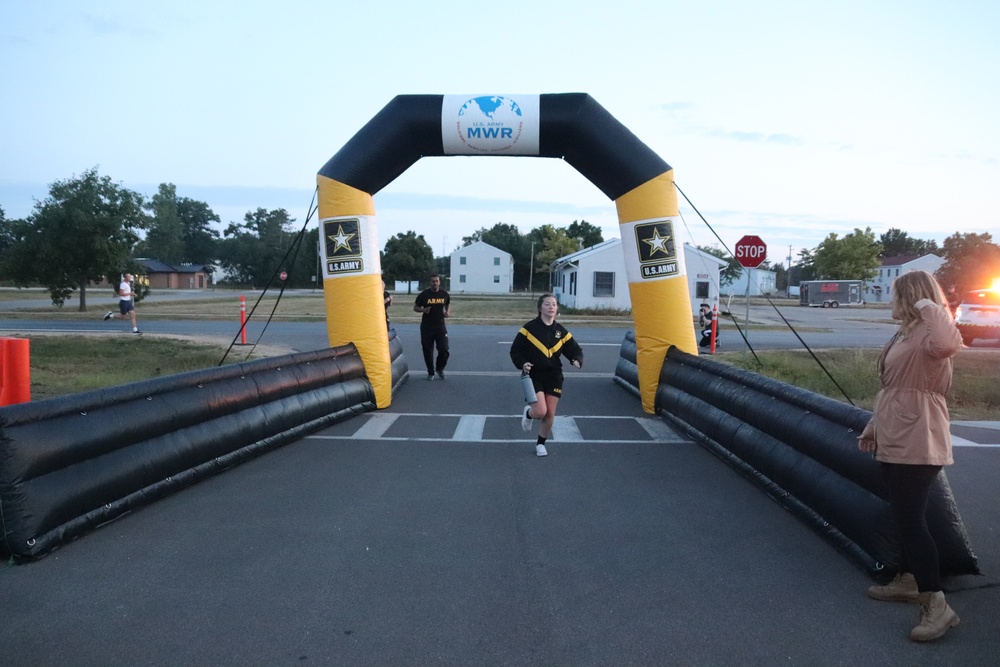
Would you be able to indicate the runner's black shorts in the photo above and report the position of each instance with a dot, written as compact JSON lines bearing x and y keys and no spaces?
{"x":548,"y":381}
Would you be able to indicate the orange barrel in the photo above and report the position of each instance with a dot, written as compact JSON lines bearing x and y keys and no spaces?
{"x":15,"y":374}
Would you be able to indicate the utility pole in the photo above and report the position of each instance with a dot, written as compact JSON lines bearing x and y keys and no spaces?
{"x":531,"y":270}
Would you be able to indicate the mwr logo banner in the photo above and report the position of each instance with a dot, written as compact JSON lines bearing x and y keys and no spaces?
{"x":349,"y":246}
{"x":651,"y":250}
{"x":490,"y":124}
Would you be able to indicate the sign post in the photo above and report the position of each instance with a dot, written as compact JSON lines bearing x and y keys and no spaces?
{"x":751,"y":252}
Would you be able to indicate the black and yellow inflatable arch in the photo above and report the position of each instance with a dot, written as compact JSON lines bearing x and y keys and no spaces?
{"x":569,"y":126}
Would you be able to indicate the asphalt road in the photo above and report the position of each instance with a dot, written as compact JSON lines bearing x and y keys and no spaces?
{"x":429,"y":534}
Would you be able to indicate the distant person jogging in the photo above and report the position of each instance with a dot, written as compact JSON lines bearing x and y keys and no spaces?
{"x":435,"y":306}
{"x":126,"y":304}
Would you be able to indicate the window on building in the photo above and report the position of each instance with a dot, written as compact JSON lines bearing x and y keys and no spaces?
{"x":461,"y":278}
{"x":496,"y":279}
{"x":496,"y":261}
{"x":701,"y":290}
{"x":572,"y":283}
{"x":604,"y":283}
{"x":461,"y":260}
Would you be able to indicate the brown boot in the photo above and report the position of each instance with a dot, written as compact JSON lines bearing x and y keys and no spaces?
{"x":901,"y":589}
{"x":935,"y":617}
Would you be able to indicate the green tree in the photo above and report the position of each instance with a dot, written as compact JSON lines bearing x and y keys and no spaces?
{"x":804,"y":270}
{"x":165,"y":239}
{"x":5,"y":235}
{"x":733,"y":268}
{"x":252,"y":252}
{"x":589,"y":235}
{"x":200,"y":240}
{"x":8,"y":237}
{"x":972,"y":261}
{"x":407,"y":257}
{"x":854,"y":257}
{"x":303,"y":263}
{"x":897,"y":243}
{"x":780,"y":277}
{"x":551,"y":244}
{"x":180,"y":231}
{"x":86,"y":227}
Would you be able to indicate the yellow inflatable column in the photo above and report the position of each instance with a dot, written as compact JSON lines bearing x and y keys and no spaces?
{"x":352,"y":280}
{"x":657,"y":279}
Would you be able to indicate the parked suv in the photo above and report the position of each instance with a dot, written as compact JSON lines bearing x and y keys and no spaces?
{"x":978,"y":316}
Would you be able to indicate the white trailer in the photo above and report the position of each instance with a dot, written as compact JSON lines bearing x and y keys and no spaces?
{"x":831,"y":293}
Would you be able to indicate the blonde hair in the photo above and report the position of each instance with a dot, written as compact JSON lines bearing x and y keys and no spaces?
{"x":911,"y":287}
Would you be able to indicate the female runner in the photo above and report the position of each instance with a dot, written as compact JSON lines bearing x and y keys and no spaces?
{"x":535,"y":351}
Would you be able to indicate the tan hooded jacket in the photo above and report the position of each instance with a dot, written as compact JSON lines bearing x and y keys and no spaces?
{"x":910,"y":423}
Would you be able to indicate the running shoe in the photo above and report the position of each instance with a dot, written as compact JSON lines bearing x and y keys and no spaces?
{"x":109,"y":315}
{"x":526,"y":422}
{"x":441,"y":374}
{"x":540,"y":450}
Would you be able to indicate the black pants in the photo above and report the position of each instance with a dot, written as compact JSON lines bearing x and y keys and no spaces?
{"x":909,"y":487}
{"x":429,"y":338}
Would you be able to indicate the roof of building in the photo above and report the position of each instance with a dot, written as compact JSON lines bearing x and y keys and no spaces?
{"x":156,"y":266}
{"x":610,"y":243}
{"x":599,"y":247}
{"x":901,"y":260}
{"x":474,"y":243}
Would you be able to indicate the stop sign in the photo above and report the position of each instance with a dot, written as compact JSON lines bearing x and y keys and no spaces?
{"x":750,"y":251}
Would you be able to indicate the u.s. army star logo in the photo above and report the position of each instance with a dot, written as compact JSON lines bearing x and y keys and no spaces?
{"x":657,"y":249}
{"x":342,"y":240}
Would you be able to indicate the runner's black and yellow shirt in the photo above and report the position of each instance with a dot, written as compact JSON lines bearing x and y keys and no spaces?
{"x":438,"y":301}
{"x":541,"y":344}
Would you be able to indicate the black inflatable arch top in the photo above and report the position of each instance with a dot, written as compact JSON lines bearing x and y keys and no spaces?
{"x":574,"y":127}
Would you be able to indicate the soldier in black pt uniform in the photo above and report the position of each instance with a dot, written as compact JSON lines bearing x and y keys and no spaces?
{"x":435,"y":304}
{"x":536,"y":350}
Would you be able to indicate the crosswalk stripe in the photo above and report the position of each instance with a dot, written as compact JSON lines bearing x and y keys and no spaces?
{"x":376,"y":426}
{"x":470,"y":427}
{"x":564,"y":429}
{"x":659,"y":431}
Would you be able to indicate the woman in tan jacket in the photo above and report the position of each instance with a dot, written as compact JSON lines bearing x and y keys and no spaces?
{"x":909,"y":435}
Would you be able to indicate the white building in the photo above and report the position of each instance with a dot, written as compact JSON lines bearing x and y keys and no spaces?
{"x":761,"y":282}
{"x":595,"y":277}
{"x":479,"y":267}
{"x":880,"y":288}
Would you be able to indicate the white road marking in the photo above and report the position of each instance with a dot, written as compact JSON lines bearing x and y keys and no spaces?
{"x":376,"y":426}
{"x":470,"y":428}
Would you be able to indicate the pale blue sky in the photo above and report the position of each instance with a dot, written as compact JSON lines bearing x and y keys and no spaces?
{"x":784,"y":119}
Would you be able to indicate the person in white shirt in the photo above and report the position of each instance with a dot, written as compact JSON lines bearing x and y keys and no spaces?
{"x":126,"y":304}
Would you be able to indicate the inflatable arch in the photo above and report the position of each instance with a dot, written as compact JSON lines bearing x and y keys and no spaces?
{"x":569,"y":126}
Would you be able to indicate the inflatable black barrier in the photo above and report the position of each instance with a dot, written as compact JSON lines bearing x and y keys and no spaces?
{"x":801,"y":449}
{"x":71,"y":463}
{"x":627,"y":370}
{"x":398,"y":361}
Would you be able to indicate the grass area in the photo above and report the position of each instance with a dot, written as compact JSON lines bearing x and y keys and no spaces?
{"x":508,"y":309}
{"x":974,"y":395}
{"x":73,"y":364}
{"x":13,"y":294}
{"x":62,"y":365}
